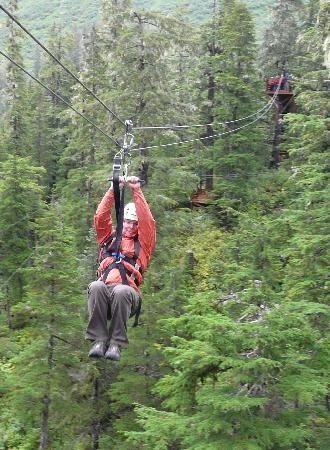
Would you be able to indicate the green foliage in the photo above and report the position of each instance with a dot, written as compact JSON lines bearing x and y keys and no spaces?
{"x":233,"y":347}
{"x":39,"y":367}
{"x":21,"y":203}
{"x":230,"y":69}
{"x":246,"y":358}
{"x":279,"y":40}
{"x":84,"y":13}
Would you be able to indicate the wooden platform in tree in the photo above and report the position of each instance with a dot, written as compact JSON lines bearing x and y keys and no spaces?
{"x":201,"y":197}
{"x":280,"y":92}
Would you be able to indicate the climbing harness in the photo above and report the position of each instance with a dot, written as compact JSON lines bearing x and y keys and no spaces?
{"x":108,"y":250}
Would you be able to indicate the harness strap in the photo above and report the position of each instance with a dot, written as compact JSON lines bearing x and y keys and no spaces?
{"x":107,"y":250}
{"x":117,"y":161}
{"x":119,"y":201}
{"x":124,"y":272}
{"x":119,"y":258}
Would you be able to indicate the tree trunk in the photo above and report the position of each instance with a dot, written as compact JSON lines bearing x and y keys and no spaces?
{"x":96,"y":423}
{"x":44,"y":435}
{"x":8,"y":307}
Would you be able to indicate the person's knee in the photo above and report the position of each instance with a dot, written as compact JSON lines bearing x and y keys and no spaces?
{"x":123,"y":292}
{"x":96,"y":287}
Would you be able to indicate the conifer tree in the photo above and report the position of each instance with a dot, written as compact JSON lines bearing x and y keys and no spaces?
{"x":146,"y":66}
{"x":207,"y":88}
{"x":20,"y":204}
{"x":16,"y":139}
{"x":87,"y":148}
{"x":279,"y":40}
{"x":50,"y":123}
{"x":233,"y":157}
{"x":47,"y":373}
{"x":305,"y":281}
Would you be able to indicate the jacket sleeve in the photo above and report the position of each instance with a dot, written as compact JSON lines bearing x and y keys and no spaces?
{"x":146,"y":223}
{"x":102,"y":218}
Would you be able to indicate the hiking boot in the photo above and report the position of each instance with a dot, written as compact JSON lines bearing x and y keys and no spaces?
{"x":113,"y":352}
{"x":98,"y":349}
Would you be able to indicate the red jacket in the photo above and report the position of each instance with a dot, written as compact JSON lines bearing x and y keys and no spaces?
{"x":146,"y":236}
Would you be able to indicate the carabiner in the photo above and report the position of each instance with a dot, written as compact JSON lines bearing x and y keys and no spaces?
{"x":128,"y":145}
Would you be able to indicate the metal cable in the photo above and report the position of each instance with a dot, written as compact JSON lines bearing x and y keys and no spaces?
{"x":171,"y":127}
{"x":270,"y":104}
{"x":60,"y":63}
{"x":59,"y":97}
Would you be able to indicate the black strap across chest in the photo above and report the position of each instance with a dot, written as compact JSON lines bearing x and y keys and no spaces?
{"x":110,"y":249}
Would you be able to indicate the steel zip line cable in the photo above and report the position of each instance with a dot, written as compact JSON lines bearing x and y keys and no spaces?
{"x":171,"y":127}
{"x":61,"y":64}
{"x":199,"y":139}
{"x":60,"y":98}
{"x":270,"y":104}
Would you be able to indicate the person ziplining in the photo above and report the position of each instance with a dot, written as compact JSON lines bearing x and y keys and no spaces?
{"x":124,"y":255}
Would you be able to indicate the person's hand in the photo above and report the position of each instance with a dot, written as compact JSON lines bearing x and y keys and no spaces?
{"x":122,"y":182}
{"x":133,"y":182}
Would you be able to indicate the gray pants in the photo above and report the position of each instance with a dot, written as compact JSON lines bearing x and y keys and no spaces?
{"x":110,"y":303}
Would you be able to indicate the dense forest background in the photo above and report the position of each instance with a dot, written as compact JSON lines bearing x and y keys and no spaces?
{"x":233,"y":348}
{"x":79,"y":15}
